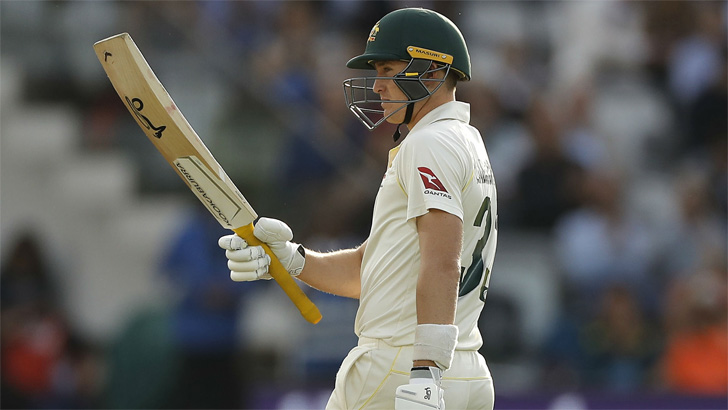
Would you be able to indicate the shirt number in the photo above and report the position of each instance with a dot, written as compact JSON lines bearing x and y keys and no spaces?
{"x":472,"y":277}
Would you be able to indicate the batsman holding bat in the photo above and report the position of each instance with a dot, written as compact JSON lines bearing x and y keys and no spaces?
{"x":422,"y":275}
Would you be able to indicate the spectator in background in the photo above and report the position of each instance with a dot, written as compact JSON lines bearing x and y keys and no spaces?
{"x":696,"y":240}
{"x":288,"y":76}
{"x":204,"y":318}
{"x":33,"y":334}
{"x":620,"y":344}
{"x":695,"y":59}
{"x":695,"y":360}
{"x":516,"y":89}
{"x":664,"y":23}
{"x":603,"y":338}
{"x":26,"y":281}
{"x":581,"y":142}
{"x":600,"y":245}
{"x":321,"y":140}
{"x":44,"y":364}
{"x":705,"y":141}
{"x":547,"y":184}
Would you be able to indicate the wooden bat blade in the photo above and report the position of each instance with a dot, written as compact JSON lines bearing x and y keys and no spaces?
{"x":164,"y":125}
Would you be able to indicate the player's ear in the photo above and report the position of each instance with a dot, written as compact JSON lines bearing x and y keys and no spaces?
{"x":433,"y":73}
{"x":433,"y":70}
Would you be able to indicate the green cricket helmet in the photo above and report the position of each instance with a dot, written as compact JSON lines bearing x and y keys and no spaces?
{"x":419,"y":37}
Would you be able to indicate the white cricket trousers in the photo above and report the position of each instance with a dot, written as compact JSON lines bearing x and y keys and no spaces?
{"x":372,"y":371}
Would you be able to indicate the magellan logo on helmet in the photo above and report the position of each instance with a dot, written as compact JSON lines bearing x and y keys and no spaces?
{"x":373,"y":33}
{"x":419,"y":52}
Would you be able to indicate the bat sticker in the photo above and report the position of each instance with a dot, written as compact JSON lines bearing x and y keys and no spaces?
{"x":211,"y":190}
{"x":137,"y":106}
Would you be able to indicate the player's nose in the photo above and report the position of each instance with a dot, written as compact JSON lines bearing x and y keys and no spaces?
{"x":378,"y":86}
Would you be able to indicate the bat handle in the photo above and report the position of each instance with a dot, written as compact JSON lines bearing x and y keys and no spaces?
{"x":307,"y":308}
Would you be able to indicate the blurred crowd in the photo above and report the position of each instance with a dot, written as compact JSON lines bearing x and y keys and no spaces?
{"x":605,"y":121}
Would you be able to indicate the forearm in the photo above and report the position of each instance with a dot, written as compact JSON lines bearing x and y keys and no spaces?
{"x":440,"y":236}
{"x":337,"y":272}
{"x":437,"y":289}
{"x":437,"y":284}
{"x":436,"y":298}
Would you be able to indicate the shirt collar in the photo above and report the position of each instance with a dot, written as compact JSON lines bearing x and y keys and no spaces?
{"x":453,"y":110}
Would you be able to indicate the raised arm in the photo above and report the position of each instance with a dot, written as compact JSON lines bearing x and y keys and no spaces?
{"x":336,"y":272}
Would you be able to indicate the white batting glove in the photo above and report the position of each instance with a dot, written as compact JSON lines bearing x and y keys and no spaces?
{"x":278,"y":236}
{"x":248,"y":263}
{"x":245,"y":262}
{"x":422,"y":392}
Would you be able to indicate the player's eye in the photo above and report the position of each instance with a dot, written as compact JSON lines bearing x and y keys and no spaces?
{"x":384,"y":71}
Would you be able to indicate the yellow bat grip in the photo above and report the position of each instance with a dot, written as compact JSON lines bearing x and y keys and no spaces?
{"x":308,"y":310}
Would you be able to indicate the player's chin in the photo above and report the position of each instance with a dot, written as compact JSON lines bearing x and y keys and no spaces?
{"x":395,"y":120}
{"x":391,"y":112}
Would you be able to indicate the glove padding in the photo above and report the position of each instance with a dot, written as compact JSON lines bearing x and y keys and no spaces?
{"x":422,"y":392}
{"x":247,"y":263}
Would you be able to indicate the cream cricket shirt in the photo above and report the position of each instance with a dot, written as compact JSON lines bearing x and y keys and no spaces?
{"x":441,"y":164}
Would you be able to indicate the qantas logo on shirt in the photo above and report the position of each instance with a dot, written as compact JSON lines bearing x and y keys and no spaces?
{"x":433,"y":185}
{"x":430,"y":179}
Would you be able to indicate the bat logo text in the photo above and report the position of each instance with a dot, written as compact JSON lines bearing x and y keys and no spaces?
{"x":136,"y":107}
{"x":201,"y":192}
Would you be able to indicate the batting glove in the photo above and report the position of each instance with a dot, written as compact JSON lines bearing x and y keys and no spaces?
{"x":247,"y":263}
{"x":422,"y":392}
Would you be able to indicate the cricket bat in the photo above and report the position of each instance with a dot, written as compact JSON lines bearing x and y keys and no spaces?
{"x":165,"y":126}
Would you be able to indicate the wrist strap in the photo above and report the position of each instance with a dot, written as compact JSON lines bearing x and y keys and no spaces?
{"x":426,"y":375}
{"x":425,"y":372}
{"x":436,"y":343}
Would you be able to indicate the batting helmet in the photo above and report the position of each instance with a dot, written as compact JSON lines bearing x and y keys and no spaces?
{"x":419,"y":37}
{"x":415,"y":33}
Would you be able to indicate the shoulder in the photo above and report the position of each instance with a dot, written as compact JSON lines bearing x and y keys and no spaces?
{"x":442,"y":134}
{"x":440,"y":140}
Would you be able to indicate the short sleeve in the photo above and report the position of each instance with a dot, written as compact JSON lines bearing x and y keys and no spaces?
{"x":432,"y":173}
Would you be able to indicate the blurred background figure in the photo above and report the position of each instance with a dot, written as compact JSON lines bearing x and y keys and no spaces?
{"x":621,"y":343}
{"x":204,"y":318}
{"x":599,"y":245}
{"x":547,"y":181}
{"x":607,"y":129}
{"x":695,"y":360}
{"x":45,"y":363}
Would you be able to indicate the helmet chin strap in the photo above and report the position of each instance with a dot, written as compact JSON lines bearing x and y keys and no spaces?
{"x":407,"y":118}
